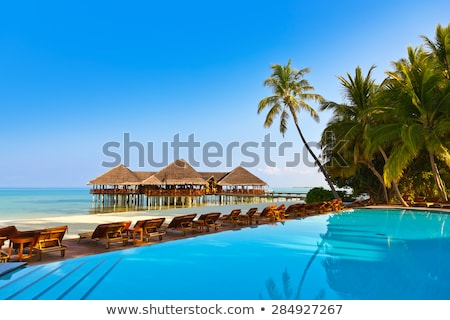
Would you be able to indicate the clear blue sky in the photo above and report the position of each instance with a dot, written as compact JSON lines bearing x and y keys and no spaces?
{"x":76,"y":75}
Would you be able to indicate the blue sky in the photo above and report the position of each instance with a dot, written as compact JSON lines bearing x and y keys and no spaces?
{"x":76,"y":76}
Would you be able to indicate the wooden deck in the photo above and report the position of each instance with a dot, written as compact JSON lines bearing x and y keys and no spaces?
{"x":86,"y":247}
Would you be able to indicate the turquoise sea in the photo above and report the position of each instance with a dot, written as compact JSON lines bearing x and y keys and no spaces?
{"x":23,"y":203}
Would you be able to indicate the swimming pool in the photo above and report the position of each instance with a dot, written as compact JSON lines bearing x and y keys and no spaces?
{"x":363,"y":254}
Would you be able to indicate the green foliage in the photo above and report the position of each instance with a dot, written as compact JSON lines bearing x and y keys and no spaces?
{"x":318,"y":194}
{"x":395,"y":133}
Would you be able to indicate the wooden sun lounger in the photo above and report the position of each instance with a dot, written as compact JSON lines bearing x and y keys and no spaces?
{"x":421,"y":201}
{"x":108,"y":232}
{"x":40,"y":241}
{"x":4,"y":256}
{"x":279,"y":213}
{"x":248,"y":216}
{"x":267,"y":214}
{"x":315,"y":208}
{"x":5,"y":234}
{"x":144,"y":229}
{"x":183,"y":223}
{"x":50,"y":240}
{"x":296,"y":210}
{"x":208,"y":221}
{"x":233,"y":217}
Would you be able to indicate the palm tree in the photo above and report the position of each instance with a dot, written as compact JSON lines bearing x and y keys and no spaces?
{"x":417,"y":100}
{"x":349,"y":124}
{"x":290,"y":92}
{"x":440,"y":48}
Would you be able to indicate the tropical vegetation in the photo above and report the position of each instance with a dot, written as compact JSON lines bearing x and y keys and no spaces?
{"x":392,"y":139}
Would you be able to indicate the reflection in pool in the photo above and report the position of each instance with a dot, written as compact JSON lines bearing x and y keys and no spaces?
{"x":363,"y":254}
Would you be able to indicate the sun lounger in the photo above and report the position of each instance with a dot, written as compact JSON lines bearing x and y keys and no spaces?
{"x":315,"y":208}
{"x":50,"y":240}
{"x":108,"y":232}
{"x":182,"y":223}
{"x":266,"y":215}
{"x":22,"y":243}
{"x":444,"y":205}
{"x":144,"y":229}
{"x":420,"y":201}
{"x":296,"y":210}
{"x":5,"y":234}
{"x":233,"y":217}
{"x":4,"y":256}
{"x":151,"y":228}
{"x":208,"y":221}
{"x":41,"y":241}
{"x":279,"y":213}
{"x":248,"y":216}
{"x":326,"y":206}
{"x":337,"y":204}
{"x":8,"y":231}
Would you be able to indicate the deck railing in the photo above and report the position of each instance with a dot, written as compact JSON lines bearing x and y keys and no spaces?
{"x":175,"y":192}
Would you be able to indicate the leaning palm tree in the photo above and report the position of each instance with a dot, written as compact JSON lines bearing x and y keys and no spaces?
{"x":290,"y":92}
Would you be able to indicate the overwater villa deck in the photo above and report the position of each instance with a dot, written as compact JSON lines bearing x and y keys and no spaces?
{"x":177,"y":184}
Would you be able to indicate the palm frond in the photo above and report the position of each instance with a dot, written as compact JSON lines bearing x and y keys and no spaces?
{"x":283,"y":121}
{"x":397,"y":162}
{"x":273,"y":112}
{"x":286,"y":284}
{"x":272,"y":290}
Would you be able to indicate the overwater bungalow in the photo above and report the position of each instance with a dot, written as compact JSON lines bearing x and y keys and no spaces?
{"x":241,"y":181}
{"x":177,"y":183}
{"x":178,"y":178}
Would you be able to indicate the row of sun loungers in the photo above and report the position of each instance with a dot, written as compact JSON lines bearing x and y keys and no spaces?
{"x":422,"y":201}
{"x":26,"y":243}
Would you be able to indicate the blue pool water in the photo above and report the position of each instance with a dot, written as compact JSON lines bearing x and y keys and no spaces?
{"x":363,"y":254}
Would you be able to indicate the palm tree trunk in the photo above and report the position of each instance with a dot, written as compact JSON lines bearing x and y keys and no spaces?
{"x":394,"y":184}
{"x":437,"y":178}
{"x":325,"y":173}
{"x":380,"y":178}
{"x":308,"y":265}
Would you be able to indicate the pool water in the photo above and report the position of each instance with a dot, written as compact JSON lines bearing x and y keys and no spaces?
{"x":362,"y":254}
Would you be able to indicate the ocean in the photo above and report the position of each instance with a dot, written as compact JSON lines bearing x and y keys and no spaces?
{"x":26,"y":203}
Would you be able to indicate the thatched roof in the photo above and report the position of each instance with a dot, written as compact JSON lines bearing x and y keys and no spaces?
{"x":178,"y":172}
{"x":241,"y":177}
{"x":142,"y":175}
{"x":216,"y":175}
{"x":119,"y":175}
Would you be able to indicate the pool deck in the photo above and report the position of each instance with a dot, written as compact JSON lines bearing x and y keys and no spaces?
{"x":86,"y":247}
